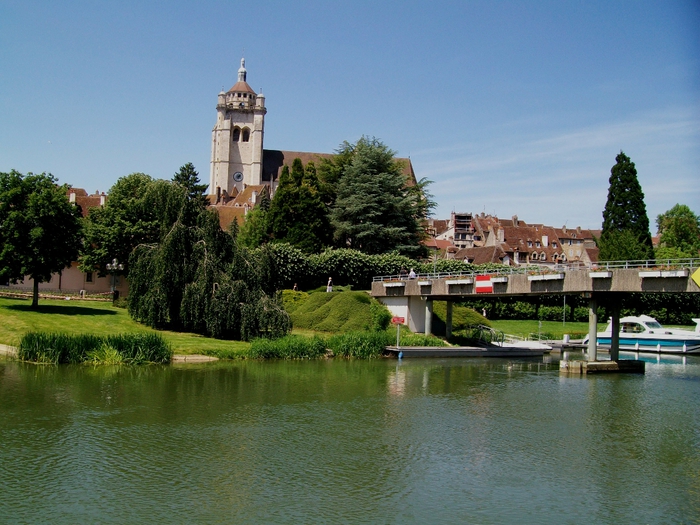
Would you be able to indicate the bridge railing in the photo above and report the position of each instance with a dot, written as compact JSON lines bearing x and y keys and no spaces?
{"x":562,"y":267}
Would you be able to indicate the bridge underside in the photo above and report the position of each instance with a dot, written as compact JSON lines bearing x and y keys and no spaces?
{"x":413,"y":299}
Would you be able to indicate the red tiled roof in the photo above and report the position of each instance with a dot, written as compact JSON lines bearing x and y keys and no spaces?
{"x":481,"y":254}
{"x":437,"y":244}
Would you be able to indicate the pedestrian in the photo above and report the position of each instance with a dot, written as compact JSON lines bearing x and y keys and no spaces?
{"x":295,"y":287}
{"x":403,"y":273}
{"x":483,"y":312}
{"x":329,"y":286}
{"x":411,"y":274}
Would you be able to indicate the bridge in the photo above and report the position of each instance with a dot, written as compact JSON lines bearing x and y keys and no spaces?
{"x":602,"y":284}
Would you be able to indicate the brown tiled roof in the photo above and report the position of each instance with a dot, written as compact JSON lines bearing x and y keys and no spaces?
{"x":274,"y":160}
{"x":85,"y":201}
{"x":482,"y":254}
{"x":436,"y":244}
{"x":228,"y":213}
{"x":242,"y":87}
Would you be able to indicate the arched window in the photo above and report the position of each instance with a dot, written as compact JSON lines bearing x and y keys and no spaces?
{"x":246,"y":134}
{"x":236,"y":134}
{"x":543,"y":256}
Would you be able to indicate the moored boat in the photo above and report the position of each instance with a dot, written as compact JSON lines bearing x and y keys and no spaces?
{"x":645,"y":334}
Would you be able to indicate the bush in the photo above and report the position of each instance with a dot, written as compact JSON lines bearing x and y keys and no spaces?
{"x":381,"y":316}
{"x":287,"y":347}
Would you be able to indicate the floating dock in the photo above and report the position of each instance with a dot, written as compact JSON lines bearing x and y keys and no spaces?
{"x":464,"y":351}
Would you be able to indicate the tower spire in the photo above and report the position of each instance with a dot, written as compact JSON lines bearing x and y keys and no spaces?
{"x":241,"y":71}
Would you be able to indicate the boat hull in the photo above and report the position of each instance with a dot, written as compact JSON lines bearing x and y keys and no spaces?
{"x":658,"y":345}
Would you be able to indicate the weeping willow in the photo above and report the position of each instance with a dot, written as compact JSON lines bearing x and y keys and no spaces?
{"x":198,"y":279}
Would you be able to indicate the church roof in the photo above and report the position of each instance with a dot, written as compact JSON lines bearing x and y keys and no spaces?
{"x":274,"y":160}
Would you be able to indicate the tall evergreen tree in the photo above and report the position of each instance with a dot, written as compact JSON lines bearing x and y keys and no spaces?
{"x":625,"y":232}
{"x":188,"y":177}
{"x":375,"y":210}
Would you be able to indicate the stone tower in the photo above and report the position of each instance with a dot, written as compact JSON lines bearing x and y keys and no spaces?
{"x":237,"y":138}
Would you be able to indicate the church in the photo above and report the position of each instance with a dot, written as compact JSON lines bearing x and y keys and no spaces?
{"x":241,"y":169}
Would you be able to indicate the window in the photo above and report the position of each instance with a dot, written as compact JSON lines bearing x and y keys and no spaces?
{"x":543,"y":256}
{"x":529,"y":244}
{"x":537,"y":244}
{"x":236,"y":134}
{"x":246,"y":135}
{"x":554,"y":245}
{"x":88,"y":277}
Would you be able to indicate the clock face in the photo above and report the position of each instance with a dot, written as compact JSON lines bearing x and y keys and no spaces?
{"x":238,"y":176}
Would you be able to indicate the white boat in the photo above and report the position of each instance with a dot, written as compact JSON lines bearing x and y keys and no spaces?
{"x":645,"y":334}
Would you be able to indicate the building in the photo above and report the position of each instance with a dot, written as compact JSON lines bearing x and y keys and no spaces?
{"x":238,"y":158}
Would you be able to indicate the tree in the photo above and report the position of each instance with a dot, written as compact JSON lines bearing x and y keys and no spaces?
{"x":297,"y":213}
{"x":126,"y":220}
{"x":625,"y":231}
{"x":189,"y":179}
{"x":375,"y":210}
{"x":40,"y":230}
{"x":679,"y":233}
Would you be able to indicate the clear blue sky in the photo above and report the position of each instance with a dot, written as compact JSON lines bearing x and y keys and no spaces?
{"x":509,"y":107}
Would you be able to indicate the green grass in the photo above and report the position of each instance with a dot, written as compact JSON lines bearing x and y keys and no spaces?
{"x":335,"y":312}
{"x":101,"y":319}
{"x":462,"y":318}
{"x":551,"y":329}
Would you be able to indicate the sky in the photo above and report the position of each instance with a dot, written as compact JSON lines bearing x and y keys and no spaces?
{"x":508,"y":107}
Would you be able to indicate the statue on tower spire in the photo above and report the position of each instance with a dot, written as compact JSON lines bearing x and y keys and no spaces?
{"x":242,"y":71}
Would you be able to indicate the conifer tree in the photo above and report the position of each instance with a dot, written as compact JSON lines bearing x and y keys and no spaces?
{"x":625,"y":234}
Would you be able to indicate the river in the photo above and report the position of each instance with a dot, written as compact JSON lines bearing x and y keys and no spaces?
{"x":417,"y":441}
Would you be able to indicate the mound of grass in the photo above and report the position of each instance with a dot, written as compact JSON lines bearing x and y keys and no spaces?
{"x":332,"y":312}
{"x":462,"y":318}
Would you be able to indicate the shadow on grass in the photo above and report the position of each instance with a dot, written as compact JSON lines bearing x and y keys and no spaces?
{"x":63,"y":310}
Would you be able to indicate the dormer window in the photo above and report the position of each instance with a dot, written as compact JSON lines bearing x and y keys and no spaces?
{"x":529,"y":244}
{"x":537,"y":244}
{"x":554,"y":245}
{"x":543,"y":256}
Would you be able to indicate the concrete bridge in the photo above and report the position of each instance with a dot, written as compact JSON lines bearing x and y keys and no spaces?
{"x":602,"y":284}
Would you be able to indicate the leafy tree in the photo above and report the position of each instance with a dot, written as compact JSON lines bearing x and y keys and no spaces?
{"x":679,"y":232}
{"x":625,"y":231}
{"x":126,"y":220}
{"x":253,"y":233}
{"x":375,"y":211}
{"x":196,"y":278}
{"x":39,"y":228}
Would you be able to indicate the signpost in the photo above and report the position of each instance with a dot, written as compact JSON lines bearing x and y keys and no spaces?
{"x":398,"y":321}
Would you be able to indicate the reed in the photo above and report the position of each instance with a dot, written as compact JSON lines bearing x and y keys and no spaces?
{"x":363,"y":345}
{"x":287,"y":347}
{"x":59,"y":348}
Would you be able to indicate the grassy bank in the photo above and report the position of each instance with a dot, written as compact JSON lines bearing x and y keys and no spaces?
{"x":553,"y":330}
{"x":100,"y":319}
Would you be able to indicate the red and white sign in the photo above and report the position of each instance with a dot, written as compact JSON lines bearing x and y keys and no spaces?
{"x":483,"y":284}
{"x":398,"y":320}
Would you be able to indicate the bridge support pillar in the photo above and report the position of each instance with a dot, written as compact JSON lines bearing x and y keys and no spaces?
{"x":615,"y":339}
{"x":448,"y":320}
{"x":592,"y":330}
{"x":428,"y":317}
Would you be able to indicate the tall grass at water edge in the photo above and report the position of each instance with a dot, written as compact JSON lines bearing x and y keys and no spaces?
{"x":59,"y":348}
{"x":287,"y":347}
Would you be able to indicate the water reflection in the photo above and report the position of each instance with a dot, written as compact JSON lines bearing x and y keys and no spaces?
{"x":415,"y":441}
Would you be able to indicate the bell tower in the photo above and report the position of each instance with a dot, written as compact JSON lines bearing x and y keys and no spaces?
{"x":237,"y":137}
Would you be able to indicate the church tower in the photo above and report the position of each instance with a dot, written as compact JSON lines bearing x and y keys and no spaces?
{"x":237,"y":138}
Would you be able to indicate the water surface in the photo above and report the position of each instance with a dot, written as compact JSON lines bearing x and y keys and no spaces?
{"x":420,"y":441}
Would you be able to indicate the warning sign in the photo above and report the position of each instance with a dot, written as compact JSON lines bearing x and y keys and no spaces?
{"x":696,"y":276}
{"x":398,"y":320}
{"x":483,"y":284}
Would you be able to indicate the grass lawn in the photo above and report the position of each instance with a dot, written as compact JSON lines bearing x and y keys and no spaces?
{"x":550,"y":329}
{"x":99,"y":318}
